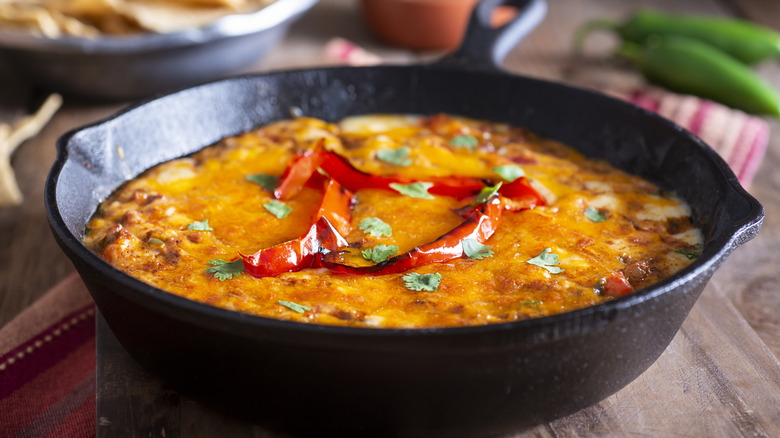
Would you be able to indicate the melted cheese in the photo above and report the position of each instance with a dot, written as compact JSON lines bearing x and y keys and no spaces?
{"x":143,"y":227}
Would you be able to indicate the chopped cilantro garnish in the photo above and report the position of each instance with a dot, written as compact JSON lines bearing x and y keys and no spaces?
{"x":424,"y":282}
{"x":300,"y":308}
{"x":486,"y":194}
{"x":399,"y":157}
{"x":690,"y":254}
{"x":225,"y":270}
{"x":414,"y":190}
{"x":200,"y":226}
{"x":476,"y":250}
{"x":278,"y":208}
{"x":594,"y":215}
{"x":509,"y":172}
{"x":375,"y":227}
{"x":267,"y":182}
{"x":464,"y":141}
{"x":154,"y":241}
{"x":379,"y":253}
{"x":547,"y":260}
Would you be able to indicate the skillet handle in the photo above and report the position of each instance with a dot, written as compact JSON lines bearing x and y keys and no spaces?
{"x":484,"y":47}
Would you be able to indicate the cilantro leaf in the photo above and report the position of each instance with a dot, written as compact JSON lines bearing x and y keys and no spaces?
{"x":547,"y":260}
{"x":486,"y":193}
{"x":414,"y":190}
{"x":225,"y":270}
{"x":690,"y":254}
{"x":267,"y":182}
{"x":399,"y":157}
{"x":375,"y":227}
{"x":594,"y":215}
{"x":379,"y":253}
{"x":424,"y":282}
{"x":475,"y":250}
{"x":464,"y":141}
{"x":278,"y":208}
{"x":300,"y":308}
{"x":509,"y":172}
{"x":200,"y":226}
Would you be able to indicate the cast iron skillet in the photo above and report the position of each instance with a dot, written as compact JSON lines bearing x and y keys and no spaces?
{"x":323,"y":380}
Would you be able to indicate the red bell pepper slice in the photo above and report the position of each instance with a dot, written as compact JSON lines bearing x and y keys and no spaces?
{"x":289,"y":256}
{"x":305,"y":165}
{"x":521,"y":194}
{"x":298,"y":173}
{"x":617,"y":285}
{"x":331,"y":221}
{"x":336,"y":207}
{"x":479,"y":225}
{"x":353,"y":179}
{"x":297,"y":254}
{"x":332,"y":217}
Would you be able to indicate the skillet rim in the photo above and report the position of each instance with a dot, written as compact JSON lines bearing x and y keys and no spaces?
{"x":710,"y":259}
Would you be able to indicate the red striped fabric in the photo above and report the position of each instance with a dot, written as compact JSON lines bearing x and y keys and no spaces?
{"x":739,"y":138}
{"x":34,"y":357}
{"x":47,"y":370}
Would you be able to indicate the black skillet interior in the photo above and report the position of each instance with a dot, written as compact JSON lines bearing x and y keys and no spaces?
{"x":467,"y":381}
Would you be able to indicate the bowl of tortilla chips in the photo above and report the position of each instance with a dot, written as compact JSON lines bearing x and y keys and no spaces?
{"x":131,"y":49}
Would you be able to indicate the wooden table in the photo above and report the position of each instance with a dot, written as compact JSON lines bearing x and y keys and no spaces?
{"x":719,"y":377}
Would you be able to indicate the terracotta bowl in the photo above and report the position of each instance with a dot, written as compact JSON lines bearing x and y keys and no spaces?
{"x":419,"y":24}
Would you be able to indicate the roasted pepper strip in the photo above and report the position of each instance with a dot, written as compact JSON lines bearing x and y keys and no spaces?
{"x":331,"y":219}
{"x":298,"y":173}
{"x":521,"y":195}
{"x":304,"y":166}
{"x":353,"y":179}
{"x":616,"y":285}
{"x":289,"y":256}
{"x":336,"y":207}
{"x":479,"y":225}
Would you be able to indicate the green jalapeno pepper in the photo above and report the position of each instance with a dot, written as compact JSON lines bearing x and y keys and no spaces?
{"x":747,"y":42}
{"x":689,"y":66}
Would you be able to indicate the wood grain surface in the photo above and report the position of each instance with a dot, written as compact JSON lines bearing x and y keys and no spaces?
{"x":719,"y":377}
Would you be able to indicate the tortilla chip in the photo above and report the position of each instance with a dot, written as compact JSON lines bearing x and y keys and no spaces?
{"x":29,"y":17}
{"x":169,"y":17}
{"x":86,"y":18}
{"x":11,"y":136}
{"x":83,"y":8}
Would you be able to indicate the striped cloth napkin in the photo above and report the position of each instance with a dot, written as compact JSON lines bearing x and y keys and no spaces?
{"x":47,"y":353}
{"x":739,"y":138}
{"x":47,"y":366}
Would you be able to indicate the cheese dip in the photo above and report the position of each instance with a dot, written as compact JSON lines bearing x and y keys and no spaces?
{"x":393,"y":221}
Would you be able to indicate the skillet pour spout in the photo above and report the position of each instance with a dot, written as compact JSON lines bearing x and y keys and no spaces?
{"x":306,"y":379}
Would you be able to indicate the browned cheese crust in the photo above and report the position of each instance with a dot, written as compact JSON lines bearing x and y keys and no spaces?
{"x":647,"y":235}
